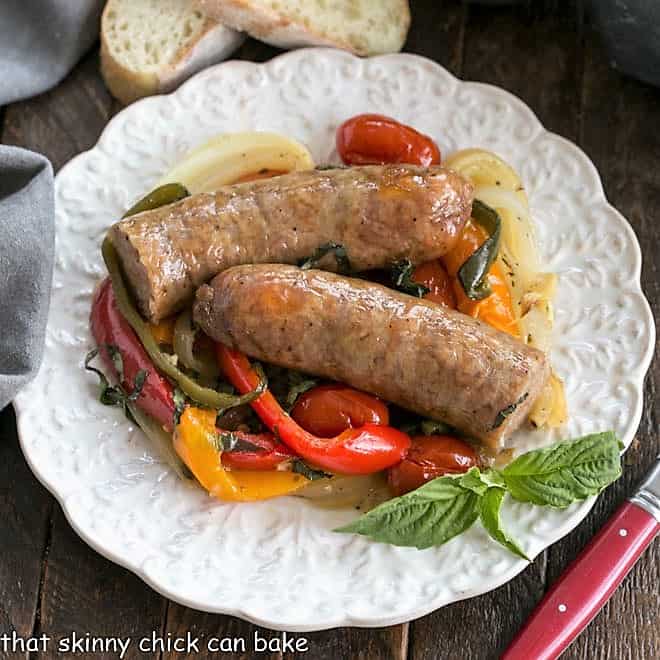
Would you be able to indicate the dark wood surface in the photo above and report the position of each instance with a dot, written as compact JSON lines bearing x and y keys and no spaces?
{"x":546,"y":53}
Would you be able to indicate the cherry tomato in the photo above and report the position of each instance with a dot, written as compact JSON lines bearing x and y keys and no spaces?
{"x":365,"y":450}
{"x":430,"y":456}
{"x":327,"y":410}
{"x":434,"y":277}
{"x":376,"y":140}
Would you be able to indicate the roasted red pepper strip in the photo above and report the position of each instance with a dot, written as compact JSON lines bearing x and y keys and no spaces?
{"x":272,"y":453}
{"x":157,"y":396}
{"x":365,"y":450}
{"x":110,"y":327}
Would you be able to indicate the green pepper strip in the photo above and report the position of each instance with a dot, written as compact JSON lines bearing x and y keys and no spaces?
{"x":161,"y":196}
{"x":473,"y":273}
{"x":204,"y":396}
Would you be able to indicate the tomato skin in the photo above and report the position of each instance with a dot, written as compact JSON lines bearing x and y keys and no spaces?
{"x":364,"y":450}
{"x":430,"y":456}
{"x":327,"y":410}
{"x":376,"y":140}
{"x":434,"y":277}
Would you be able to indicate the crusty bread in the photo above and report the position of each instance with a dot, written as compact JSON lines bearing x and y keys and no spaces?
{"x":150,"y":46}
{"x":365,"y":27}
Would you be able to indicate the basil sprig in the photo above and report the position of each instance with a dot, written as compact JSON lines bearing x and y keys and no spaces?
{"x":474,"y":272}
{"x":115,"y":395}
{"x":431,"y":515}
{"x":447,"y":506}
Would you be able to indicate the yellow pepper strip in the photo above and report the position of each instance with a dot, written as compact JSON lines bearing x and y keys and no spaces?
{"x":194,"y":443}
{"x":497,"y":309}
{"x":163,"y":332}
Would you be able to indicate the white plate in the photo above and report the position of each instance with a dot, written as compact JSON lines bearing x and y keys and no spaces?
{"x":278,"y":563}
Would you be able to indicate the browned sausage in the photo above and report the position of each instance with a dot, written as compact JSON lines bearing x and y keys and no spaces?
{"x":419,"y":355}
{"x":380,"y":214}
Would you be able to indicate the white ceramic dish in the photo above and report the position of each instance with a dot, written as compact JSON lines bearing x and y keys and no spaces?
{"x":278,"y":563}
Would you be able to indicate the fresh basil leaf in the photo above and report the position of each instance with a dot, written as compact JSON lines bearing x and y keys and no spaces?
{"x":490,"y":506}
{"x":473,"y":273}
{"x":492,"y":478}
{"x":473,"y":480}
{"x":565,"y":472}
{"x":479,"y":482}
{"x":401,"y":275}
{"x":431,"y":515}
{"x":339,"y":252}
{"x":300,"y":467}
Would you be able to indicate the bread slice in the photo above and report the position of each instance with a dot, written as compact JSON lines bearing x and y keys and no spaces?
{"x":151,"y":46}
{"x":364,"y":27}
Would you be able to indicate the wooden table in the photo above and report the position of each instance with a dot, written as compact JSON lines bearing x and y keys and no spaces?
{"x":51,"y":582}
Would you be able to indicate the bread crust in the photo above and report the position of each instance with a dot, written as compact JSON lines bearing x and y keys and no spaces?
{"x":273,"y":28}
{"x":214,"y":43}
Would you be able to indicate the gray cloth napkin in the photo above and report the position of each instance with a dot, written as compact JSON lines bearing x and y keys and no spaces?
{"x":40,"y":41}
{"x":26,"y":264}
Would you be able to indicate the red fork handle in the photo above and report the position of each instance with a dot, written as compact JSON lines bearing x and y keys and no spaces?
{"x":585,"y":586}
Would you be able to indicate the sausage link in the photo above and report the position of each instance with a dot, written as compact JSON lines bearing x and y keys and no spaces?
{"x":380,"y":214}
{"x":422,"y":356}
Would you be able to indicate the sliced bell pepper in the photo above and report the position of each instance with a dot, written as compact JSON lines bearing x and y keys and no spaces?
{"x":194,"y":443}
{"x":365,"y":450}
{"x":497,"y":309}
{"x":156,"y":399}
{"x":109,"y":327}
{"x":271,"y":454}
